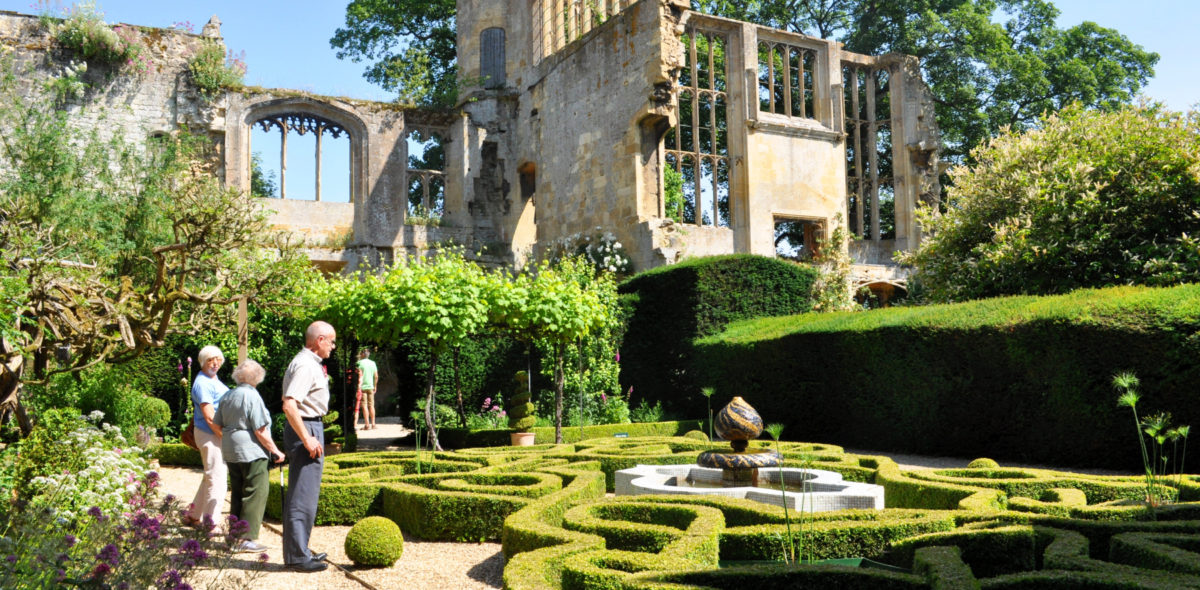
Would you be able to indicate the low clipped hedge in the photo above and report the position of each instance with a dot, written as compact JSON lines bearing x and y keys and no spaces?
{"x":458,"y":438}
{"x":1020,"y":379}
{"x":668,"y":307}
{"x":952,"y":528}
{"x":176,"y":454}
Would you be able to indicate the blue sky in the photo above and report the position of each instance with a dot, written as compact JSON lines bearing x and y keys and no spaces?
{"x":286,"y":45}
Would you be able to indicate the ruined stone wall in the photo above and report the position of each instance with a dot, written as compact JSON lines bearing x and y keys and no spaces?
{"x":595,"y":140}
{"x":117,"y":101}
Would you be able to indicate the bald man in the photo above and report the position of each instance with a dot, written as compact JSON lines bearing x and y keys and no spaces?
{"x":305,"y":402}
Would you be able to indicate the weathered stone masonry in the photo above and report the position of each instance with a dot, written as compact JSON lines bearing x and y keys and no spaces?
{"x":577,"y":110}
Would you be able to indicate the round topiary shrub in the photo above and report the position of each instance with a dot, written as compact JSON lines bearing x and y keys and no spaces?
{"x":154,"y":412}
{"x":696,"y":434}
{"x":982,"y":463}
{"x":374,"y":541}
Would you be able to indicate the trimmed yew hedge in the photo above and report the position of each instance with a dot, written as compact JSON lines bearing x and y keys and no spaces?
{"x":457,"y":438}
{"x":668,"y":307}
{"x":1020,"y":379}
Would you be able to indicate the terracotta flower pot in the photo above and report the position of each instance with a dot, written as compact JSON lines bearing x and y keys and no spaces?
{"x":522,"y":439}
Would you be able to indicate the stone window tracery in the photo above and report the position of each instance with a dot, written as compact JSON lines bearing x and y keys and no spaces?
{"x":426,"y":174}
{"x":869,"y":171}
{"x":786,"y":74}
{"x":556,"y":23}
{"x":492,"y":65}
{"x":304,"y":125}
{"x":697,"y":147}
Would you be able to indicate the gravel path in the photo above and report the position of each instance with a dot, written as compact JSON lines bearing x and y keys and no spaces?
{"x":424,"y":564}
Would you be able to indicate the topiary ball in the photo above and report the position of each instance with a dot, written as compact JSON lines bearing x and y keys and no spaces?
{"x":374,"y":541}
{"x":154,"y":412}
{"x":696,"y":434}
{"x":982,"y":463}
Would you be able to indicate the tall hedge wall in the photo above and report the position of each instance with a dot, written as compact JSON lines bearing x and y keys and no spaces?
{"x":670,"y":306}
{"x":1019,"y":379}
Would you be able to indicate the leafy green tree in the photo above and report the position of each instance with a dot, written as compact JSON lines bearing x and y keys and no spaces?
{"x":1088,"y":199}
{"x":984,"y":74}
{"x":108,"y":247}
{"x":551,"y":307}
{"x":262,"y":182}
{"x":412,"y":46}
{"x":440,"y":300}
{"x":590,"y":366}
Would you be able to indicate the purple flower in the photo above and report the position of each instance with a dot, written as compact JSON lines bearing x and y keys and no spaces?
{"x":69,"y":539}
{"x":11,"y":559}
{"x":171,"y":578}
{"x":96,"y":513}
{"x":109,"y":554}
{"x":180,"y":367}
{"x":146,"y":527}
{"x":101,"y":570}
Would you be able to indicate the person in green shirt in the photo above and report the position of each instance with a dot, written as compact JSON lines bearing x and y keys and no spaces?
{"x":368,"y":380}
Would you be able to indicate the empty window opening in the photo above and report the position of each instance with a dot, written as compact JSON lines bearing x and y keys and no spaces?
{"x":785,"y":79}
{"x":300,"y":156}
{"x":798,"y":239}
{"x":527,"y":173}
{"x":869,"y":171}
{"x":697,"y":148}
{"x":426,"y":176}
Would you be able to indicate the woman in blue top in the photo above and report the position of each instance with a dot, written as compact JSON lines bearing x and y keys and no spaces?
{"x":246,"y":424}
{"x":206,"y":395}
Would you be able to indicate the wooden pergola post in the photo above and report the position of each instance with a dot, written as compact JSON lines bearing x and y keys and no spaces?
{"x":243,"y":330}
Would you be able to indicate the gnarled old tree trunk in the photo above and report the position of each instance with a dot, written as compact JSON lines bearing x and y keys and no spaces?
{"x":11,"y":369}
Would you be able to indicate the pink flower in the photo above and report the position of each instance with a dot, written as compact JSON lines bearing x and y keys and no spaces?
{"x":618,"y":356}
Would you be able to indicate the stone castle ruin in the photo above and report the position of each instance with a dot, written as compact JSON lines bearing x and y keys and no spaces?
{"x":677,"y":133}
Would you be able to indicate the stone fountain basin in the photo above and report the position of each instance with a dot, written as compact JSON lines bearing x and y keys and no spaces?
{"x":828,"y":490}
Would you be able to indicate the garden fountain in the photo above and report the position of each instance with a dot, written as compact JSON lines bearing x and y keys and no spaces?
{"x":751,"y":475}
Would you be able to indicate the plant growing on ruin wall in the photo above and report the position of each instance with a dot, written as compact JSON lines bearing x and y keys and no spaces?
{"x":831,"y":291}
{"x":213,"y":69}
{"x":82,"y":30}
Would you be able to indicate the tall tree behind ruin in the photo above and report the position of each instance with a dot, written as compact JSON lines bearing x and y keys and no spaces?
{"x":410,"y":45}
{"x":984,"y":74}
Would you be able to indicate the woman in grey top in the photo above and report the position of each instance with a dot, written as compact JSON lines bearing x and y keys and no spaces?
{"x":246,"y":424}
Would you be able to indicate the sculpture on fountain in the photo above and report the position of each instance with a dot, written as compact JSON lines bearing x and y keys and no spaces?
{"x":736,"y":474}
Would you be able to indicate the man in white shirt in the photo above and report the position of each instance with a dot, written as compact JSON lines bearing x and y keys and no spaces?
{"x":305,"y":402}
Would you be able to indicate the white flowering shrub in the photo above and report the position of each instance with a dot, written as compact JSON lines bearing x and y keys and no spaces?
{"x":111,"y":473}
{"x":600,"y":247}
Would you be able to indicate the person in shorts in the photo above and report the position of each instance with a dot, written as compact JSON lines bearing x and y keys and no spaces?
{"x":368,"y":381}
